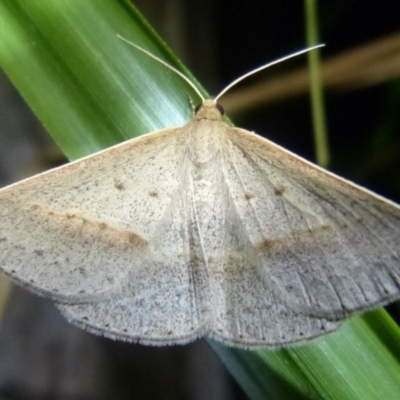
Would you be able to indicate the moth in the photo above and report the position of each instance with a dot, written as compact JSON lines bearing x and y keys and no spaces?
{"x":201,"y":230}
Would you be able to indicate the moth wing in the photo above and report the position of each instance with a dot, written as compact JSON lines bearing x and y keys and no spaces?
{"x":246,"y":311}
{"x":76,"y":232}
{"x":163,"y":301}
{"x":326,"y":247}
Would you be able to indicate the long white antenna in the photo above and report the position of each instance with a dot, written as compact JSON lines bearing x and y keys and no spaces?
{"x":235,"y":82}
{"x":254,"y":71}
{"x":191,"y":84}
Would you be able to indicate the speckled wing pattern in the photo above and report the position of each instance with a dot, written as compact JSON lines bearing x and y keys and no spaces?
{"x":201,"y":230}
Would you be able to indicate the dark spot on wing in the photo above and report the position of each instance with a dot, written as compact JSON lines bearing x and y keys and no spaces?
{"x":118,"y":184}
{"x":249,"y":196}
{"x":279,"y":191}
{"x":136,"y":240}
{"x":3,"y":239}
{"x":153,"y":194}
{"x":38,"y":252}
{"x":102,"y":225}
{"x":265,"y":245}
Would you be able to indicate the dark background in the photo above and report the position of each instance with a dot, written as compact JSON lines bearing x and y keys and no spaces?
{"x":218,"y":40}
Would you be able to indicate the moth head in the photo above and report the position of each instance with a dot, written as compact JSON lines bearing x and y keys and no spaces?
{"x":209,"y":109}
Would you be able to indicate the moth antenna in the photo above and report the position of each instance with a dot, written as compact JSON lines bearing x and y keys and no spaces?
{"x":185,"y":78}
{"x":254,"y":71}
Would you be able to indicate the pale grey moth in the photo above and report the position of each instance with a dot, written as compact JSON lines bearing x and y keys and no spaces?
{"x":201,"y":230}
